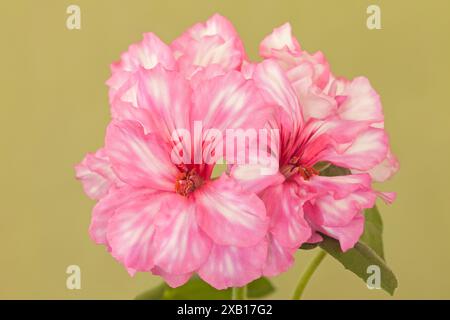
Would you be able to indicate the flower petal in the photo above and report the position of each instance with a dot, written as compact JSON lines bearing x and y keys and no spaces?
{"x":276,"y":89}
{"x":386,"y":169}
{"x":328,"y":211}
{"x":148,"y":53}
{"x":229,"y":266}
{"x":182,"y":246}
{"x":173,"y":280}
{"x":308,"y":77}
{"x":167,"y":97}
{"x":229,"y":102}
{"x":322,"y":140}
{"x":214,"y":42}
{"x":251,"y":179}
{"x":280,"y":39}
{"x":131,"y":232}
{"x":140,"y":160}
{"x":316,"y":104}
{"x":317,"y":70}
{"x":230,"y":215}
{"x":336,"y":205}
{"x":361,"y":102}
{"x":365,"y":152}
{"x":387,"y":197}
{"x":96,"y":174}
{"x":285,"y":208}
{"x":338,"y":186}
{"x":107,"y":206}
{"x":126,"y":111}
{"x":279,"y":258}
{"x":261,"y":169}
{"x":347,"y":235}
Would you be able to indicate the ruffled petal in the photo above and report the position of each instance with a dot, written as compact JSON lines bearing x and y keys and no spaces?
{"x":147,"y":54}
{"x":365,"y":152}
{"x":316,"y":105}
{"x":307,"y":78}
{"x":230,"y":215}
{"x":280,"y":39}
{"x":386,"y":169}
{"x":360,"y":102}
{"x":214,"y":42}
{"x":285,"y":208}
{"x":229,"y":266}
{"x":347,"y":235}
{"x":310,"y":69}
{"x":140,"y":160}
{"x":338,"y":214}
{"x":96,"y":174}
{"x":328,"y":211}
{"x":121,"y":110}
{"x":338,"y":186}
{"x":276,"y":89}
{"x":279,"y":258}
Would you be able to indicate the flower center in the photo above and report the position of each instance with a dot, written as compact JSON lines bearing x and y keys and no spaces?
{"x":187,"y":182}
{"x":294,"y":167}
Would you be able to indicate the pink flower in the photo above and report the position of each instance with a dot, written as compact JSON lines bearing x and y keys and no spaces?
{"x":172,"y":219}
{"x":158,"y":209}
{"x":324,"y":96}
{"x":322,"y":119}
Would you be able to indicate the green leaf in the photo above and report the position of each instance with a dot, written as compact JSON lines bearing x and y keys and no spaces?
{"x":358,"y":259}
{"x":373,"y":231}
{"x":197,"y":289}
{"x":368,"y":251}
{"x":260,"y":288}
{"x":333,"y":171}
{"x":308,"y":246}
{"x":153,"y":294}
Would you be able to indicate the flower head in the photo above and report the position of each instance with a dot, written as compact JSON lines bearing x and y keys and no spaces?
{"x":323,"y":120}
{"x":169,"y":217}
{"x":158,"y":208}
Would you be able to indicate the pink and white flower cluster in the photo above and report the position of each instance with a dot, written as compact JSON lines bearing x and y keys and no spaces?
{"x":174,"y":220}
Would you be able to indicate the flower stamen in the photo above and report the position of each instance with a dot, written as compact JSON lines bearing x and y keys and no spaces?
{"x":294,"y":167}
{"x":187,"y":182}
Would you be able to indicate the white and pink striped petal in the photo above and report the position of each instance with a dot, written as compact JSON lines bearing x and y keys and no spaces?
{"x":230,"y":266}
{"x":96,"y":174}
{"x":230,"y":215}
{"x":131,"y":232}
{"x":182,"y":246}
{"x":214,"y":42}
{"x":139,"y":159}
{"x":285,"y":209}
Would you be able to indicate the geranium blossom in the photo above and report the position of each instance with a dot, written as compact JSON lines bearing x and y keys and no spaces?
{"x":172,"y":219}
{"x":322,"y":120}
{"x":158,"y":209}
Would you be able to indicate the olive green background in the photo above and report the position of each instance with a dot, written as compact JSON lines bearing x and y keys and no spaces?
{"x":54,"y":109}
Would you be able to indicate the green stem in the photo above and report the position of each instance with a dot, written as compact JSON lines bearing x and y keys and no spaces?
{"x":239,"y":293}
{"x":307,"y":274}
